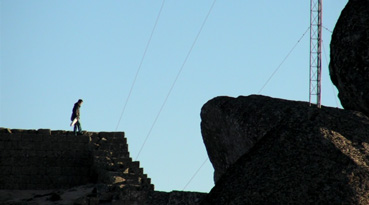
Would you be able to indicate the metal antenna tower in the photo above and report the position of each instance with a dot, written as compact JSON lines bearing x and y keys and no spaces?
{"x":315,"y":51}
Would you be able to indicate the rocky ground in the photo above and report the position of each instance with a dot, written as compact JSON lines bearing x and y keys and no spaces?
{"x":62,"y":196}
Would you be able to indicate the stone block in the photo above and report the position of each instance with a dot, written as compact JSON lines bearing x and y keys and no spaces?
{"x":5,"y":170}
{"x":65,"y":138}
{"x":8,"y":145}
{"x":14,"y":145}
{"x":64,"y":145}
{"x":106,"y":135}
{"x":35,"y":180}
{"x":4,"y":131}
{"x":38,"y":146}
{"x":120,"y":140}
{"x":49,"y":138}
{"x":45,"y":145}
{"x":50,"y":162}
{"x":31,"y":153}
{"x":82,"y":139}
{"x":17,"y":170}
{"x":27,"y":137}
{"x":20,"y":161}
{"x":17,"y":131}
{"x":83,"y":162}
{"x":53,"y":171}
{"x":84,"y":154}
{"x":6,"y":137}
{"x":67,"y":171}
{"x":32,"y":170}
{"x":77,"y":146}
{"x":2,"y":146}
{"x":84,"y":171}
{"x":6,"y":161}
{"x":46,"y":179}
{"x":122,"y":155}
{"x":44,"y":131}
{"x":5,"y":153}
{"x":103,"y":153}
{"x":41,"y":170}
{"x":119,"y":134}
{"x":59,"y":132}
{"x":26,"y":145}
{"x":94,"y":137}
{"x":37,"y":138}
{"x":61,"y":181}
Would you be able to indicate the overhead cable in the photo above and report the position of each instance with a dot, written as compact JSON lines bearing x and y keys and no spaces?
{"x":175,"y":80}
{"x":197,"y":171}
{"x":139,"y":67}
{"x":293,"y":48}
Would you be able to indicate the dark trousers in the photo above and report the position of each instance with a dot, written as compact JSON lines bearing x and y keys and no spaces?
{"x":78,"y":127}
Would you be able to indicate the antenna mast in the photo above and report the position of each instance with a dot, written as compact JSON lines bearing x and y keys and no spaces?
{"x":315,"y":51}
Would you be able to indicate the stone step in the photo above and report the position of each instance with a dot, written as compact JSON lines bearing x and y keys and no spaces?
{"x":120,"y":178}
{"x":113,"y":147}
{"x":140,"y":187}
{"x":108,"y":153}
{"x":131,"y":187}
{"x":129,"y":178}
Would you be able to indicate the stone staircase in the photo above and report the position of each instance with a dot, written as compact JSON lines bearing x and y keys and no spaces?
{"x":113,"y":165}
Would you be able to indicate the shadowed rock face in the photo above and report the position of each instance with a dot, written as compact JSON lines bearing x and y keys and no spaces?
{"x":349,"y":66}
{"x":273,"y":151}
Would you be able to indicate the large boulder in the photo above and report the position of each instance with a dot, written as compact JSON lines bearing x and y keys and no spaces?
{"x":273,"y":151}
{"x":349,"y":65}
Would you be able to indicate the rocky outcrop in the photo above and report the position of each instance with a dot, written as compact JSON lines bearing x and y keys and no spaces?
{"x":230,"y":128}
{"x":349,"y":65}
{"x":274,"y":151}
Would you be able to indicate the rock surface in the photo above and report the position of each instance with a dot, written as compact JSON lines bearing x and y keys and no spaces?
{"x":285,"y":152}
{"x":349,"y":66}
{"x":56,"y":167}
{"x":86,"y":195}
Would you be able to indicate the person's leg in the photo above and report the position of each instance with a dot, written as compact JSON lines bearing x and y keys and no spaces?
{"x":79,"y":127}
{"x":75,"y":128}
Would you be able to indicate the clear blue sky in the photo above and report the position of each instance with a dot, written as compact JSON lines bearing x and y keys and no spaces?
{"x":55,"y":52}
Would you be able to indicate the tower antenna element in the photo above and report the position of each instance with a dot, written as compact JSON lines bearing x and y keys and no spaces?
{"x":315,"y":51}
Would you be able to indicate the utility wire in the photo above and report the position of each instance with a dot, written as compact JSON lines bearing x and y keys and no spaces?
{"x":140,"y":65}
{"x":293,"y":48}
{"x":175,"y":80}
{"x":327,"y":29}
{"x":193,"y":176}
{"x":197,"y":171}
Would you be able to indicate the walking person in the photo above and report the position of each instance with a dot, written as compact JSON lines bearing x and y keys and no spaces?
{"x":76,"y":118}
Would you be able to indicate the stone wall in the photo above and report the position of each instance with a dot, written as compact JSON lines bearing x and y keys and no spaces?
{"x":45,"y":159}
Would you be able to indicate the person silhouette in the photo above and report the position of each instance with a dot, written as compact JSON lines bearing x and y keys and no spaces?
{"x":75,"y":118}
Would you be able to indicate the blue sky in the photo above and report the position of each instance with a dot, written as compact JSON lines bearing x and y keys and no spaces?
{"x":56,"y":52}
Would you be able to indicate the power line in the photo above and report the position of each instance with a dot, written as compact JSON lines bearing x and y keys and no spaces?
{"x":293,"y":48}
{"x":197,"y":171}
{"x":175,"y":80}
{"x":140,"y":65}
{"x":327,"y":29}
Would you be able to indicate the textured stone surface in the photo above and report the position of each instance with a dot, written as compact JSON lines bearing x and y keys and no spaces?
{"x":175,"y":198}
{"x":349,"y":54}
{"x":230,"y":128}
{"x":86,"y":195}
{"x":294,"y":153}
{"x":55,"y":167}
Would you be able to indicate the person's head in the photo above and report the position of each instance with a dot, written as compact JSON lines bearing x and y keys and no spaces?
{"x":80,"y":101}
